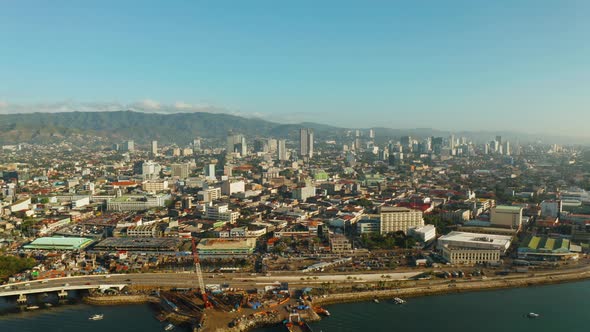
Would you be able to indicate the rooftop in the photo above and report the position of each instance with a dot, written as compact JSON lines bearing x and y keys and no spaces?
{"x":477,"y":238}
{"x":67,"y":243}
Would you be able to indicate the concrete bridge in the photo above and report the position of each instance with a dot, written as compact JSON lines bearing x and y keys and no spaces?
{"x":25,"y":290}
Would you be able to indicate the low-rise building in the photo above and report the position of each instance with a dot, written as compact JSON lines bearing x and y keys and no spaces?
{"x":226,"y":248}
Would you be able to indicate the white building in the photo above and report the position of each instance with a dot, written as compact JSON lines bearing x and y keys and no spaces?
{"x":136,"y":203}
{"x":306,"y":142}
{"x":80,"y":202}
{"x":209,"y":195}
{"x":221,"y":212}
{"x":467,"y":256}
{"x":394,"y":219}
{"x":424,"y":234}
{"x":229,"y":187}
{"x":475,"y":241}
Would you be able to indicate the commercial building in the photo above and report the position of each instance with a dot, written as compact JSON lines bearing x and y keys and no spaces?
{"x":543,"y":247}
{"x":151,"y":230}
{"x":229,"y":187}
{"x":226,"y":248}
{"x":136,"y":203}
{"x":161,"y":245}
{"x":209,"y":171}
{"x":221,"y":212}
{"x":180,"y":170}
{"x":340,"y":244}
{"x":150,"y":170}
{"x":365,"y":226}
{"x":237,"y":144}
{"x":467,"y":256}
{"x":59,"y":243}
{"x":423,"y":234}
{"x":282,"y":150}
{"x":306,"y":142}
{"x":209,"y":195}
{"x":303,"y":193}
{"x":395,"y":219}
{"x":506,"y":216}
{"x":475,"y":241}
{"x":473,"y":248}
{"x":154,"y":148}
{"x":154,"y":186}
{"x":552,"y":208}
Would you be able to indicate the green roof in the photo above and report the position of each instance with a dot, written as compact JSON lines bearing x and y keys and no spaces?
{"x":549,"y":244}
{"x":534,"y":242}
{"x":59,"y":243}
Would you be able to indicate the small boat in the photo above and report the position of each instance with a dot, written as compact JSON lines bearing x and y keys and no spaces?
{"x":96,"y":317}
{"x":376,"y":300}
{"x":48,"y":305}
{"x":532,"y":315}
{"x":32,"y":307}
{"x":169,"y":327}
{"x":398,"y":300}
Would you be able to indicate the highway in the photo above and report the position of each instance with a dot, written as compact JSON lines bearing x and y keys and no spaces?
{"x":189,"y":280}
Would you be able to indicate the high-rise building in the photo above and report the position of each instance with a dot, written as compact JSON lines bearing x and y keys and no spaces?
{"x":150,"y":170}
{"x":371,"y":133}
{"x":154,"y":148}
{"x":129,"y":146}
{"x":236,"y":143}
{"x":282,"y":150}
{"x":196,"y":144}
{"x":180,"y":170}
{"x":210,"y":171}
{"x":452,"y":141}
{"x":306,"y":142}
{"x":507,"y":148}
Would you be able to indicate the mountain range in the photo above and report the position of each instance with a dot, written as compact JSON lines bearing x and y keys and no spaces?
{"x":182,"y":128}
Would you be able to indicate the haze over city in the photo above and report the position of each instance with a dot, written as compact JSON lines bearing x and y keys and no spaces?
{"x":450,"y":65}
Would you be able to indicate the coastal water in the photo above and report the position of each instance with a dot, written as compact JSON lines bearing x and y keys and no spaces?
{"x":562,"y":308}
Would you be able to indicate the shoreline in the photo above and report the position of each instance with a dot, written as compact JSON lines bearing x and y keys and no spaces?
{"x":450,"y":287}
{"x":119,"y":300}
{"x":453,"y":288}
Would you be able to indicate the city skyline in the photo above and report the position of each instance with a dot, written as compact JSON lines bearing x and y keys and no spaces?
{"x":449,"y":66}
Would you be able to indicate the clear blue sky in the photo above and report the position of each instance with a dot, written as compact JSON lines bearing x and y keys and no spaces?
{"x":443,"y":64}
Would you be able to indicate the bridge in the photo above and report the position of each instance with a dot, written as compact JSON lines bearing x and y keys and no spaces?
{"x":27,"y":290}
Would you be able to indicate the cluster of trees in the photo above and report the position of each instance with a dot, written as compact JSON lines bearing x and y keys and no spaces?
{"x":10,"y":265}
{"x":387,"y":241}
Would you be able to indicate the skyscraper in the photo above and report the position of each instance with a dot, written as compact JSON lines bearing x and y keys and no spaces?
{"x":154,"y":148}
{"x":371,"y":133}
{"x":282,"y":150}
{"x":306,"y":142}
{"x":236,"y":143}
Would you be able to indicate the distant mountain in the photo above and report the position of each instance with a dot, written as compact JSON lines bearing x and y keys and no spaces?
{"x":142,"y":127}
{"x":182,"y":128}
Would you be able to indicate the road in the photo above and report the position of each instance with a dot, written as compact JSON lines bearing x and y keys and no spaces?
{"x":188,"y":280}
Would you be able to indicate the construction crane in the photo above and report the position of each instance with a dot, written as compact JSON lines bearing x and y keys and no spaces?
{"x":200,"y":276}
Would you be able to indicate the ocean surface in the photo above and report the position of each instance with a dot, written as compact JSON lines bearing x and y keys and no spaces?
{"x":563,"y":307}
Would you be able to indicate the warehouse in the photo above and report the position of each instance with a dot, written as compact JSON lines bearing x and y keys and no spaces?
{"x":59,"y":243}
{"x":226,"y":248}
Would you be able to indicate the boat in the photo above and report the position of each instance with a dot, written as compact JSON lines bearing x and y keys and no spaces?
{"x":376,"y":300}
{"x":398,"y":300}
{"x":48,"y":305}
{"x":96,"y":317}
{"x":169,"y":327}
{"x":532,"y":315}
{"x":321,"y":311}
{"x":32,"y":307}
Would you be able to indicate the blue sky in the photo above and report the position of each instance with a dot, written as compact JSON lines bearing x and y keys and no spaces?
{"x":517,"y":65}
